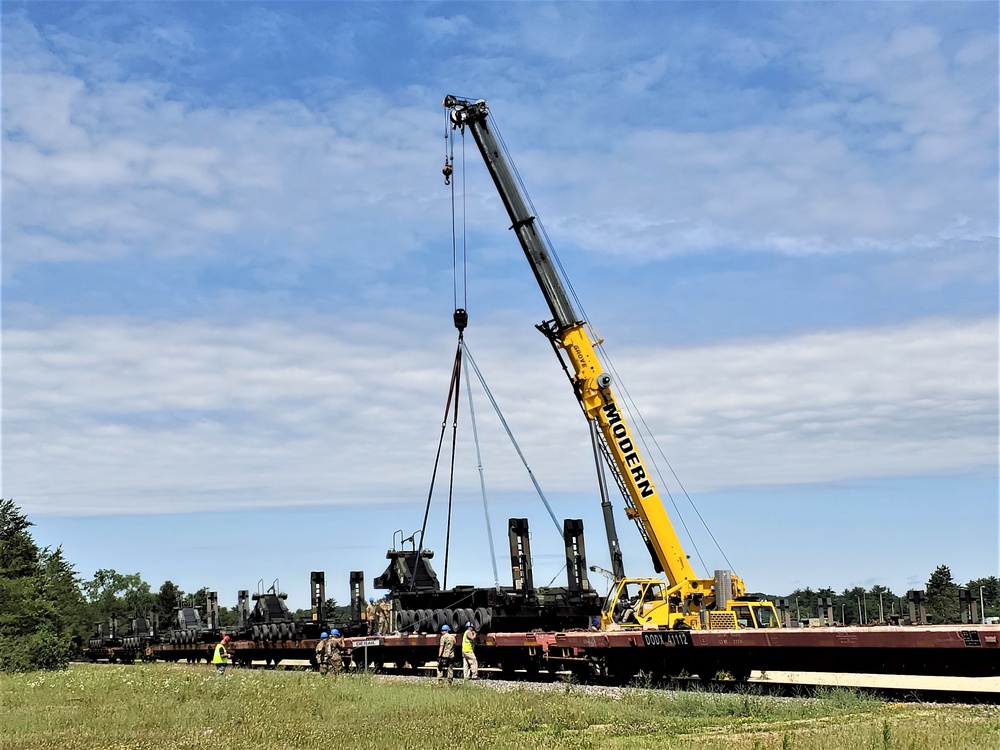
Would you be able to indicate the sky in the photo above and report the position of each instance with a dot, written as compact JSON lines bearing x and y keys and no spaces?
{"x":228,"y":284}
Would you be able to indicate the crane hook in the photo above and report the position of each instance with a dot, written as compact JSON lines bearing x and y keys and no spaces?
{"x":447,"y":171}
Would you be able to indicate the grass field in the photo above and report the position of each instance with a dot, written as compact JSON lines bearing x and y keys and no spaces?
{"x":175,"y":706}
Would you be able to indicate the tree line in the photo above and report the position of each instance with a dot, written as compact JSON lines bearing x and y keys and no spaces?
{"x":880,"y":604}
{"x":47,"y":611}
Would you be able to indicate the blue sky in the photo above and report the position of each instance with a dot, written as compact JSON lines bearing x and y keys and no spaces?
{"x":227,"y":281}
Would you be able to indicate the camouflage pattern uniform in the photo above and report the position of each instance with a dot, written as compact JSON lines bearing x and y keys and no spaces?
{"x":384,"y":616}
{"x":370,"y":616}
{"x":328,"y":655}
{"x":337,"y":648}
{"x":446,"y":657}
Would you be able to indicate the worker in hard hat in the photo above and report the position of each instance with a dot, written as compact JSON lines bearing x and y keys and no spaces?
{"x":370,"y":614}
{"x":470,"y":664}
{"x":384,"y":616}
{"x":328,"y":652}
{"x":323,"y":653}
{"x":446,"y":655}
{"x":336,"y":647}
{"x":221,"y":657}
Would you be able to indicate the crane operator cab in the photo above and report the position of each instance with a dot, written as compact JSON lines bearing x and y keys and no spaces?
{"x":652,"y":603}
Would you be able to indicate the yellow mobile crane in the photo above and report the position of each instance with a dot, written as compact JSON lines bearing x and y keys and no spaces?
{"x":683,"y":601}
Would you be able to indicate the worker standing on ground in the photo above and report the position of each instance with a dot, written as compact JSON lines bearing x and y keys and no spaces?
{"x":470,"y":664}
{"x":446,"y":655}
{"x":370,"y":615}
{"x":336,"y":649}
{"x":221,"y":657}
{"x":323,"y":653}
{"x":328,"y":652}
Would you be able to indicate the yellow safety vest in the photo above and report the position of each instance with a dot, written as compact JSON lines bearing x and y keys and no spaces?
{"x":468,"y":644}
{"x":221,"y":655}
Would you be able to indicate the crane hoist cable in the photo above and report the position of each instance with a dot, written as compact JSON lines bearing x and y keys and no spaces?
{"x":451,"y":405}
{"x":461,"y":320}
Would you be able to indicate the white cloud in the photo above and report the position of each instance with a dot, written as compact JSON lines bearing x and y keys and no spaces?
{"x":128,"y":169}
{"x":888,"y":150}
{"x":105,"y":415}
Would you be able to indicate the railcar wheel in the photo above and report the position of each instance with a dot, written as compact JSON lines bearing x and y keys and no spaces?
{"x":740,"y":673}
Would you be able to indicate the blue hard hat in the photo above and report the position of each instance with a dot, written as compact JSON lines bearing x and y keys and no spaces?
{"x":335,"y":631}
{"x":324,"y":635}
{"x":468,"y":624}
{"x":371,"y":598}
{"x":445,"y":627}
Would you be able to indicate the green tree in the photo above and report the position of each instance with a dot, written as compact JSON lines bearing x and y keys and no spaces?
{"x":115,"y":595}
{"x":942,"y":597}
{"x":35,"y":633}
{"x":166,"y":599}
{"x":62,"y":588}
{"x":229,"y":617}
{"x":990,"y":594}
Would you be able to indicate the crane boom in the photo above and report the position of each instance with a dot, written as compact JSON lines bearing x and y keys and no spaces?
{"x":592,"y":384}
{"x":686,"y":596}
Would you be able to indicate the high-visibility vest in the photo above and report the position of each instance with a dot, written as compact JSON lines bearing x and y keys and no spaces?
{"x":221,"y":655}
{"x":468,"y":643}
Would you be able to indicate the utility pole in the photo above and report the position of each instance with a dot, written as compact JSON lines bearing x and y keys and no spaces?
{"x":881,"y":612}
{"x":982,"y":605}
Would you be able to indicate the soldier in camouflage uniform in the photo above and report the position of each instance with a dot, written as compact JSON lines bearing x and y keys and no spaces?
{"x":370,"y":616}
{"x":328,"y":653}
{"x":446,"y":655}
{"x":384,"y":615}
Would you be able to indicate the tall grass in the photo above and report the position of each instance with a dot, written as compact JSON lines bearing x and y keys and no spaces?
{"x":172,"y":706}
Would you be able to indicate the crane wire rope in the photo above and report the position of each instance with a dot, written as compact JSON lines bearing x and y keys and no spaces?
{"x":452,"y":394}
{"x":510,"y":435}
{"x":630,"y":405}
{"x":482,"y":477}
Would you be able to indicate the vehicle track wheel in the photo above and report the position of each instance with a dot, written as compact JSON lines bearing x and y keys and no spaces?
{"x":437,"y":620}
{"x":447,"y":618}
{"x":481,"y":619}
{"x":468,"y":615}
{"x":425,"y":620}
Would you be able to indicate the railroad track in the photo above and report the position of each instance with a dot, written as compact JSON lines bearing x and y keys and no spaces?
{"x":897,"y":688}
